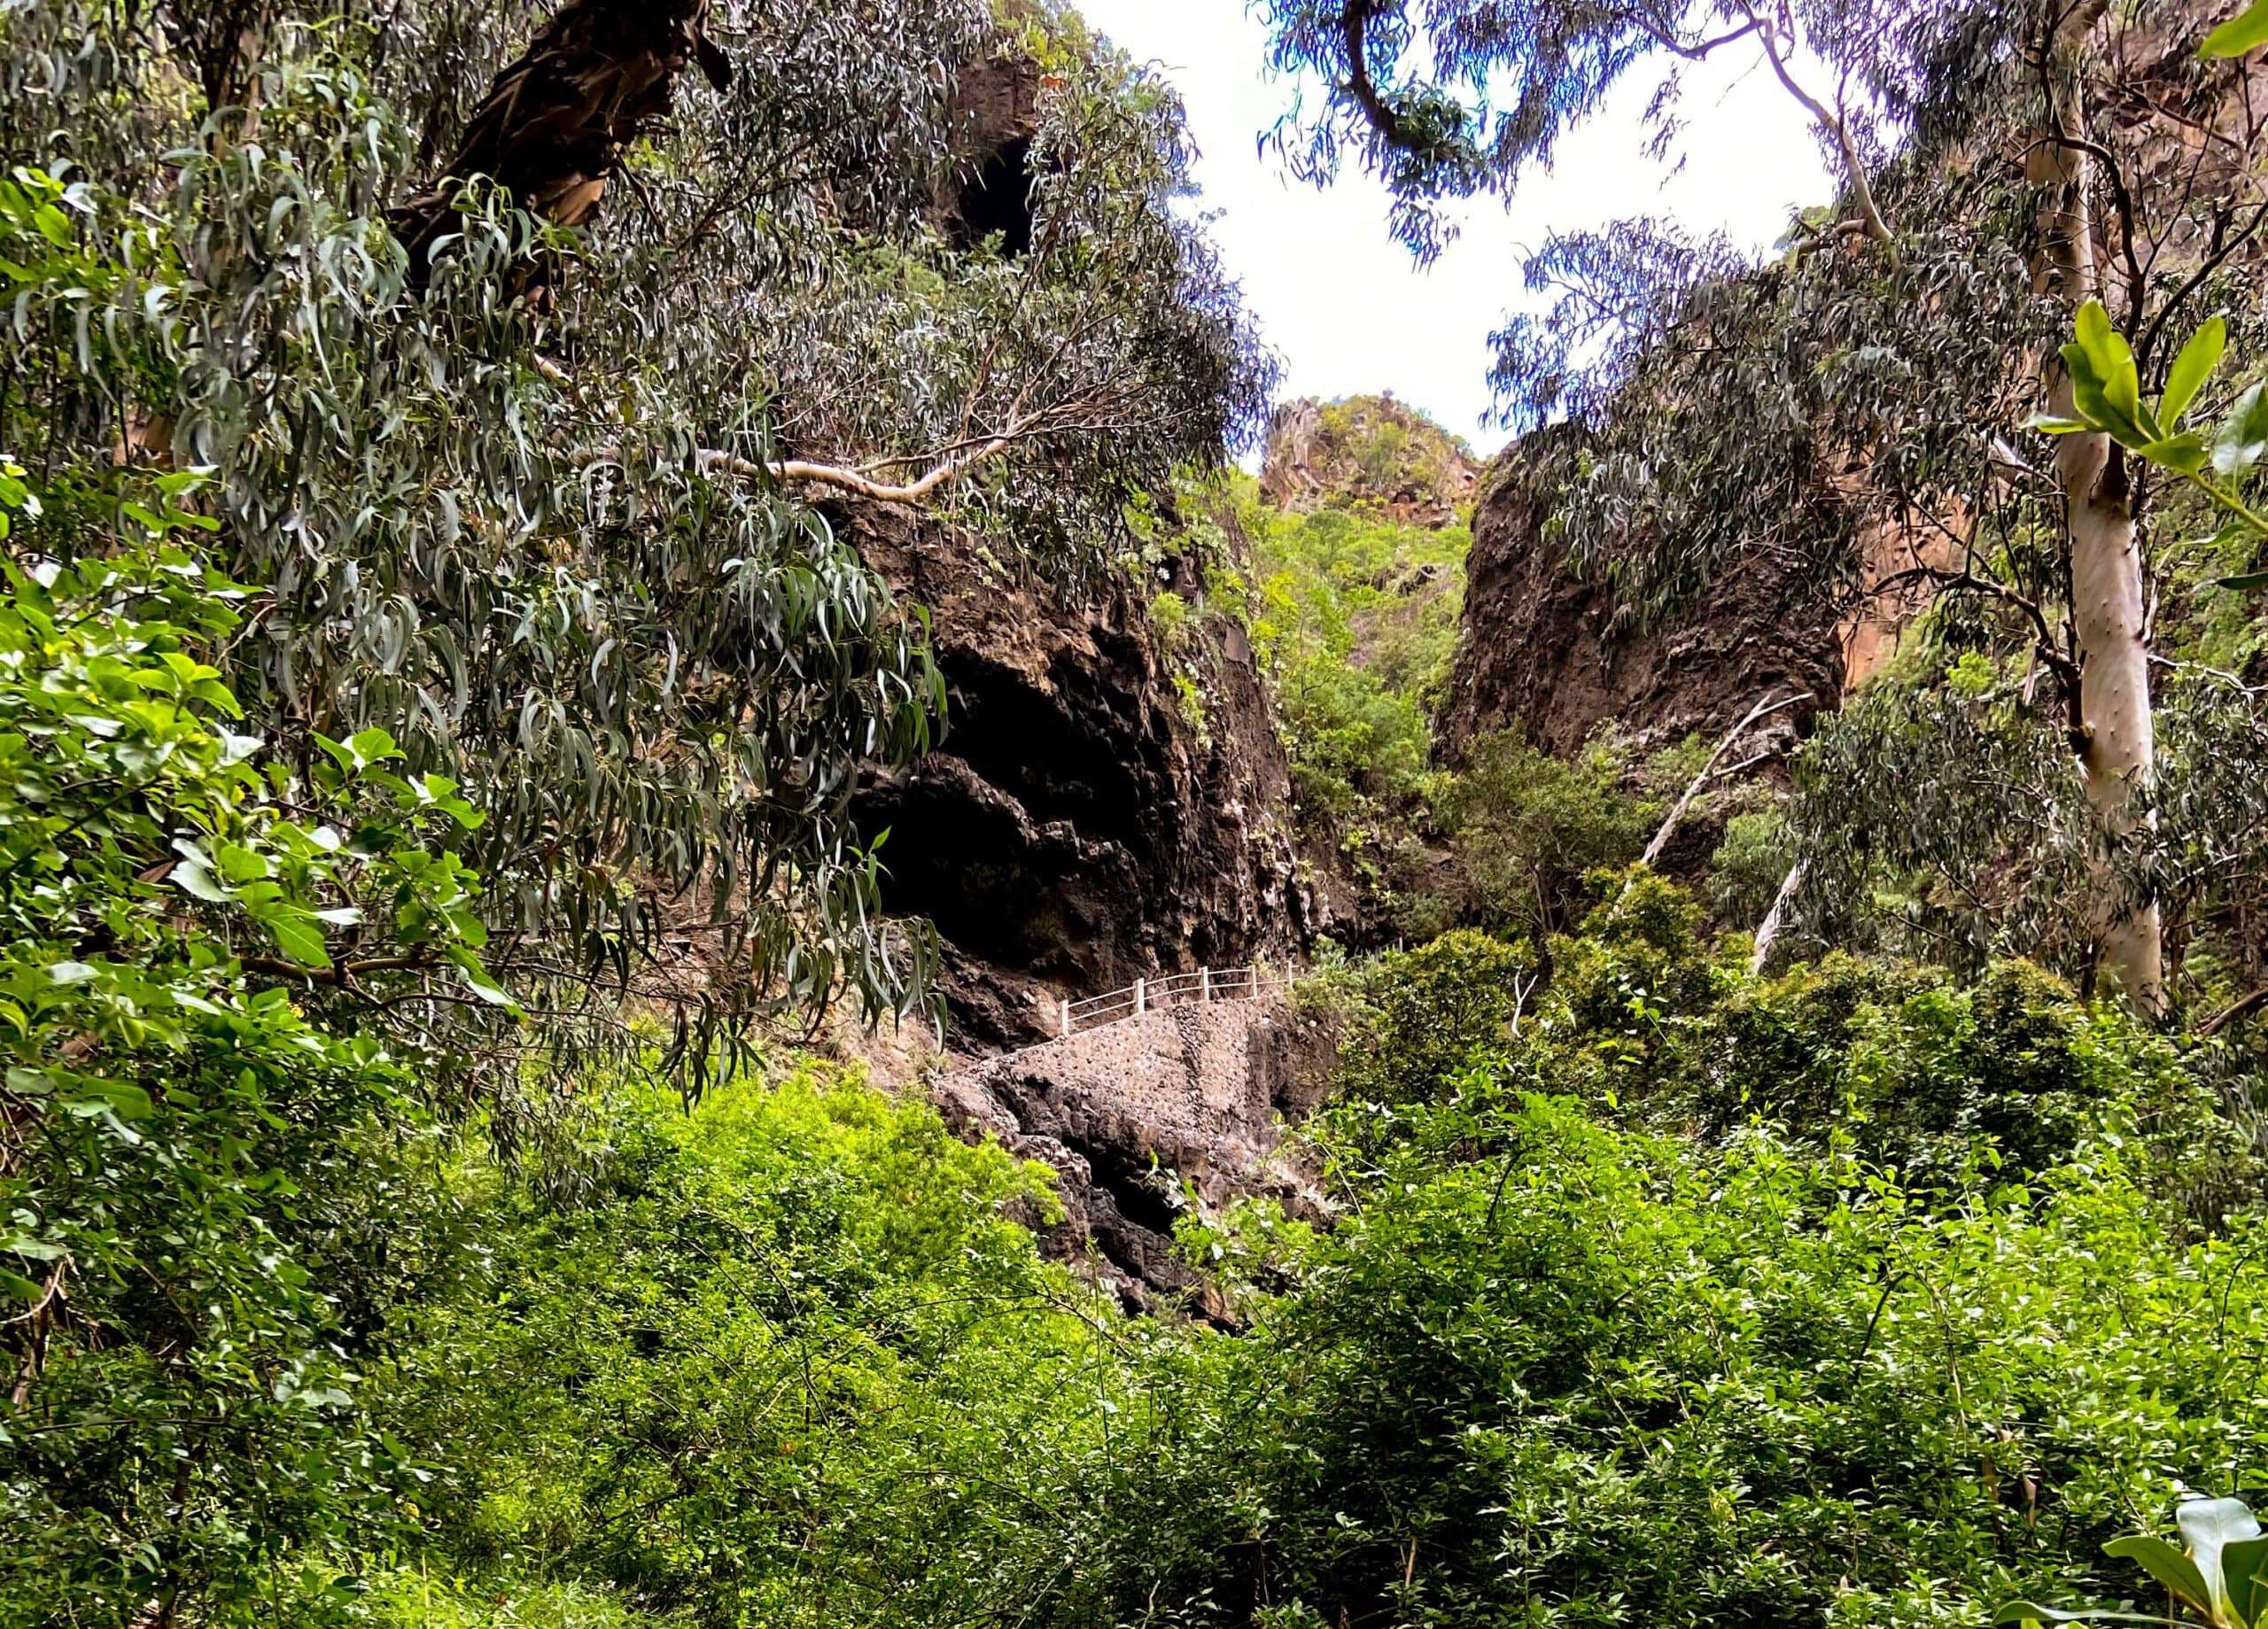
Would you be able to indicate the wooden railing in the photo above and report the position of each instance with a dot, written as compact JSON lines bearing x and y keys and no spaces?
{"x":1179,"y":989}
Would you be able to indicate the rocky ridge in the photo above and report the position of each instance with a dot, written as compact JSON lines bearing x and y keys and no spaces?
{"x":1367,"y":452}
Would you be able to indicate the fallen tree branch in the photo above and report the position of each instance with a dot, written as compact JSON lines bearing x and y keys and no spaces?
{"x":1769,"y":930}
{"x":2244,"y":1006}
{"x":1764,"y":709}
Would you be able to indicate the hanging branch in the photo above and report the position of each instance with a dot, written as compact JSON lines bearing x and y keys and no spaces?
{"x":1767,"y":932}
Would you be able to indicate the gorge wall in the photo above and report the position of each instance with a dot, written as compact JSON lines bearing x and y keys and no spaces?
{"x":1086,"y":820}
{"x":1543,"y":650}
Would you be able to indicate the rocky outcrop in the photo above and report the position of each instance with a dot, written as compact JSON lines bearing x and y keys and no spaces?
{"x":1140,"y":1116}
{"x":1367,"y":452}
{"x":1543,"y":651}
{"x":1101,"y":807}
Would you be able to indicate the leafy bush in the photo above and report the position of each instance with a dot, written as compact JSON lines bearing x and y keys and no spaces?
{"x":1411,"y":1020}
{"x":792,"y":1361}
{"x":1548,"y":1371}
{"x":189,"y":1154}
{"x":1528,"y":826}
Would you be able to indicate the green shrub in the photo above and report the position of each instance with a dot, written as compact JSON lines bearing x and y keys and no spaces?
{"x":1529,"y":826}
{"x":792,"y":1361}
{"x":192,"y":1157}
{"x":1547,"y":1371}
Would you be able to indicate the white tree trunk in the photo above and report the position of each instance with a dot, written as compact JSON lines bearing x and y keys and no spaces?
{"x":2115,"y":764}
{"x":2119,"y":741}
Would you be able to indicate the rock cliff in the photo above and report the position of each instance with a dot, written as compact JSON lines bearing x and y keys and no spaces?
{"x":1109,"y":800}
{"x":1543,"y":650}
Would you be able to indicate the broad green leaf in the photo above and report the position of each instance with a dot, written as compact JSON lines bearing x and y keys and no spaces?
{"x":118,"y":1098}
{"x":2192,"y":368}
{"x":2243,"y":435}
{"x":2048,"y":425}
{"x":2167,"y":1564}
{"x":2246,"y":31}
{"x":476,"y":979}
{"x":2091,"y":399}
{"x":193,"y":877}
{"x":2185,"y":452}
{"x":2242,"y":1562}
{"x":2245,"y":581}
{"x":298,"y":938}
{"x":241,"y":864}
{"x":2210,"y":1524}
{"x":373,"y":746}
{"x":2108,"y":373}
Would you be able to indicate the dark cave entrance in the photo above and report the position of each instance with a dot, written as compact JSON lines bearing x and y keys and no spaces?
{"x":996,"y":197}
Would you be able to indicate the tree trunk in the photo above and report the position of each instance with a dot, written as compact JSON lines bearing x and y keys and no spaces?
{"x":552,"y":128}
{"x":2117,"y":743}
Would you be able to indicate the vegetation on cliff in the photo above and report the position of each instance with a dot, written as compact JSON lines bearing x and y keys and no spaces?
{"x":436,"y":673}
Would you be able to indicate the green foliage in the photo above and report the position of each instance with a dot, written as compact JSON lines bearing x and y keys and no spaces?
{"x":1550,"y":1368}
{"x":1354,"y":618}
{"x":790,"y":1361}
{"x":2246,"y":31}
{"x":185,"y":1148}
{"x":1528,"y":826}
{"x":1412,"y":1020}
{"x":1996,"y":846}
{"x":2105,"y":393}
{"x":1859,"y":1297}
{"x":2216,"y":1575}
{"x":532,"y":541}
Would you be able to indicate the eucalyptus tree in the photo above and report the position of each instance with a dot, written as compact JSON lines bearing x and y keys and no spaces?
{"x":1850,"y":414}
{"x":509,"y":365}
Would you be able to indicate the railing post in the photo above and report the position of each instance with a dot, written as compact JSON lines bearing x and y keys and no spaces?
{"x":1204,"y":984}
{"x":1140,"y":999}
{"x":1067,"y":1015}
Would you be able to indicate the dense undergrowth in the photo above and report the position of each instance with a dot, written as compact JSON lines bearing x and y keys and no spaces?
{"x":1862,"y":1295}
{"x":388,"y":1236}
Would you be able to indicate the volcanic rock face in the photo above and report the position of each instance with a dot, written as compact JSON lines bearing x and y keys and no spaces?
{"x":1082,"y":824}
{"x":1540,"y":649}
{"x":1367,"y":452}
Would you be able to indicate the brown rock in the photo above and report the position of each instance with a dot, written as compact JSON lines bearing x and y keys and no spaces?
{"x":1543,"y":650}
{"x":1078,"y":826}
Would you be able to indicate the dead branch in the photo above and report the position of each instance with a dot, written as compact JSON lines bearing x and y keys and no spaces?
{"x":1764,"y":709}
{"x":1767,"y":932}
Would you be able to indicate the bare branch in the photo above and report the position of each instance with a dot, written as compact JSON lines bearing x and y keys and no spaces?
{"x":1764,"y":709}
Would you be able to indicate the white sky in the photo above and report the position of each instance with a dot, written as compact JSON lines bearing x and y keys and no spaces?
{"x":1345,"y":306}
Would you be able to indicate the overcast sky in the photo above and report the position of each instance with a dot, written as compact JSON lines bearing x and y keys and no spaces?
{"x":1344,"y":305}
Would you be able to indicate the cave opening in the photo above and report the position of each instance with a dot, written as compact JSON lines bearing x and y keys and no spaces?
{"x":996,"y":197}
